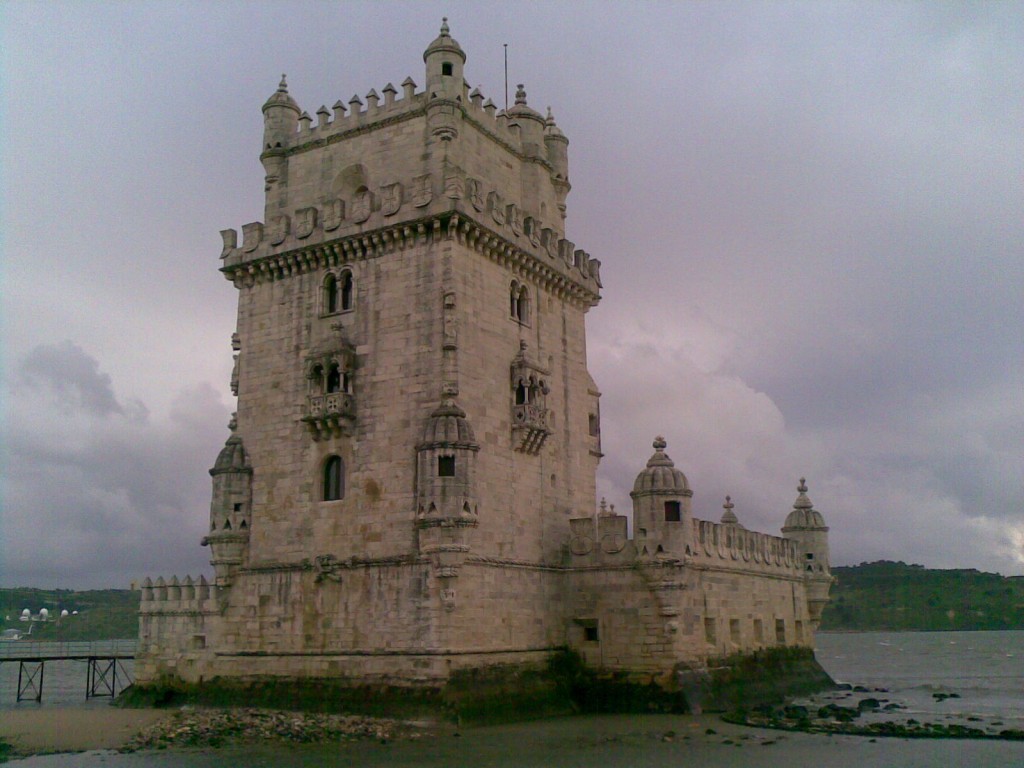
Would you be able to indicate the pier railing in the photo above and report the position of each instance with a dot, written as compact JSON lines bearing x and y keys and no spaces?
{"x":105,"y":667}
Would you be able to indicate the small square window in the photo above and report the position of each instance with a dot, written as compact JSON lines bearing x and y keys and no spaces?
{"x":673,"y":512}
{"x":590,"y":634}
{"x":446,"y":466}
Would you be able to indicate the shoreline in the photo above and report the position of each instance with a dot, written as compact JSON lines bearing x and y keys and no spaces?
{"x":72,"y":729}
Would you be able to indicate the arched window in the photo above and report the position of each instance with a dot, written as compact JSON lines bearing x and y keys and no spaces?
{"x":522,"y":394}
{"x":334,"y":479}
{"x":519,"y":303}
{"x":347,"y":291}
{"x":334,"y":379}
{"x":330,"y":294}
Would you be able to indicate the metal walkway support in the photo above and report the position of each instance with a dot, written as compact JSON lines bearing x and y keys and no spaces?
{"x":101,"y":677}
{"x":30,"y":680}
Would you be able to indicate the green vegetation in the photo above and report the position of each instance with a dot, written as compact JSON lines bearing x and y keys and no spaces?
{"x":103,"y":614}
{"x":897,"y":596}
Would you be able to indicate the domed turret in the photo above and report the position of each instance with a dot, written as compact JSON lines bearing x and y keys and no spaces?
{"x":446,"y":502}
{"x":531,"y":125}
{"x":661,"y":475}
{"x":280,"y":122}
{"x":444,"y":59}
{"x":806,"y":526}
{"x":804,"y":516}
{"x":448,"y":426}
{"x":230,"y":507}
{"x":661,"y":506}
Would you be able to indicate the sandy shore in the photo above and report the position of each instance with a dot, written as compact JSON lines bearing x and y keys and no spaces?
{"x":36,"y":731}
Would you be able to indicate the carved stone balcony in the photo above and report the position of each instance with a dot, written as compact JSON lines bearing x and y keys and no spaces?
{"x":529,"y":427}
{"x":330,"y":415}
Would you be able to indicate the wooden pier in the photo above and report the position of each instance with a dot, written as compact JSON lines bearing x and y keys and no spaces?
{"x":104,"y":661}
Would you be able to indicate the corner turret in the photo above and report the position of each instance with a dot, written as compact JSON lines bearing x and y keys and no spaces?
{"x":230,"y":508}
{"x":805,"y":525}
{"x":280,"y":122}
{"x":661,"y":506}
{"x":445,"y":83}
{"x":557,"y":147}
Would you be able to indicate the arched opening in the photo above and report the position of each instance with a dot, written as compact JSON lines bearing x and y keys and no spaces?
{"x":334,"y":379}
{"x":334,"y":479}
{"x":522,"y":394}
{"x":330,"y":294}
{"x":520,"y":304}
{"x":347,"y":291}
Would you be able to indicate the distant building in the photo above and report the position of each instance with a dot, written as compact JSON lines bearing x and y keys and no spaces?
{"x":409,"y":486}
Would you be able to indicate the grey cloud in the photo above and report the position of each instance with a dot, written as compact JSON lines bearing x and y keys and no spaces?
{"x":69,"y":371}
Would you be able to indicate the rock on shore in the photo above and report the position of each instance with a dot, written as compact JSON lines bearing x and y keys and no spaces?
{"x":215,"y":727}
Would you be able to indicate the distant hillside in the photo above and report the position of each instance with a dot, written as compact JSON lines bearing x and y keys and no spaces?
{"x":897,"y":596}
{"x":103,"y":614}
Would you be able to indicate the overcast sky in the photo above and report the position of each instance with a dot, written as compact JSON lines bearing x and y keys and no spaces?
{"x":809,"y":217}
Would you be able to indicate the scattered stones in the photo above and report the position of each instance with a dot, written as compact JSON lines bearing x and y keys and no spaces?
{"x":866,"y":704}
{"x":944,"y":696}
{"x":217,"y":727}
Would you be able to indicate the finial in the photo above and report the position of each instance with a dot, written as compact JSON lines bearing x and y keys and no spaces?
{"x":729,"y":517}
{"x":520,"y":94}
{"x":444,"y":25}
{"x":603,"y":507}
{"x":550,"y":120}
{"x":522,"y":345}
{"x":659,"y":443}
{"x":233,"y":424}
{"x":282,"y":87}
{"x":802,"y":488}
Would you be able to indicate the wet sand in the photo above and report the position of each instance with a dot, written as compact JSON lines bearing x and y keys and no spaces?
{"x":608,"y":741}
{"x":35,"y":731}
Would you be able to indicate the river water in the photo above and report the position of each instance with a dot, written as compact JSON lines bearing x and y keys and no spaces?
{"x":984,"y":669}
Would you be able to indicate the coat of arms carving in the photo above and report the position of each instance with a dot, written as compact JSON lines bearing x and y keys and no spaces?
{"x":475,"y":193}
{"x":421,"y":191}
{"x":305,"y":222}
{"x":362,"y":204}
{"x":390,"y":198}
{"x":512,"y":217}
{"x":334,"y":214}
{"x":496,"y":208}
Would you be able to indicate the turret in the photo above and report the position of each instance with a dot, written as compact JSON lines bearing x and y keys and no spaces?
{"x":661,"y":506}
{"x":557,"y":147}
{"x":531,"y":125}
{"x":230,"y":508}
{"x":806,"y":526}
{"x":280,"y":122}
{"x":444,"y":59}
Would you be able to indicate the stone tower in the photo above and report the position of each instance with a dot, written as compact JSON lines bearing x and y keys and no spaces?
{"x":408,"y":488}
